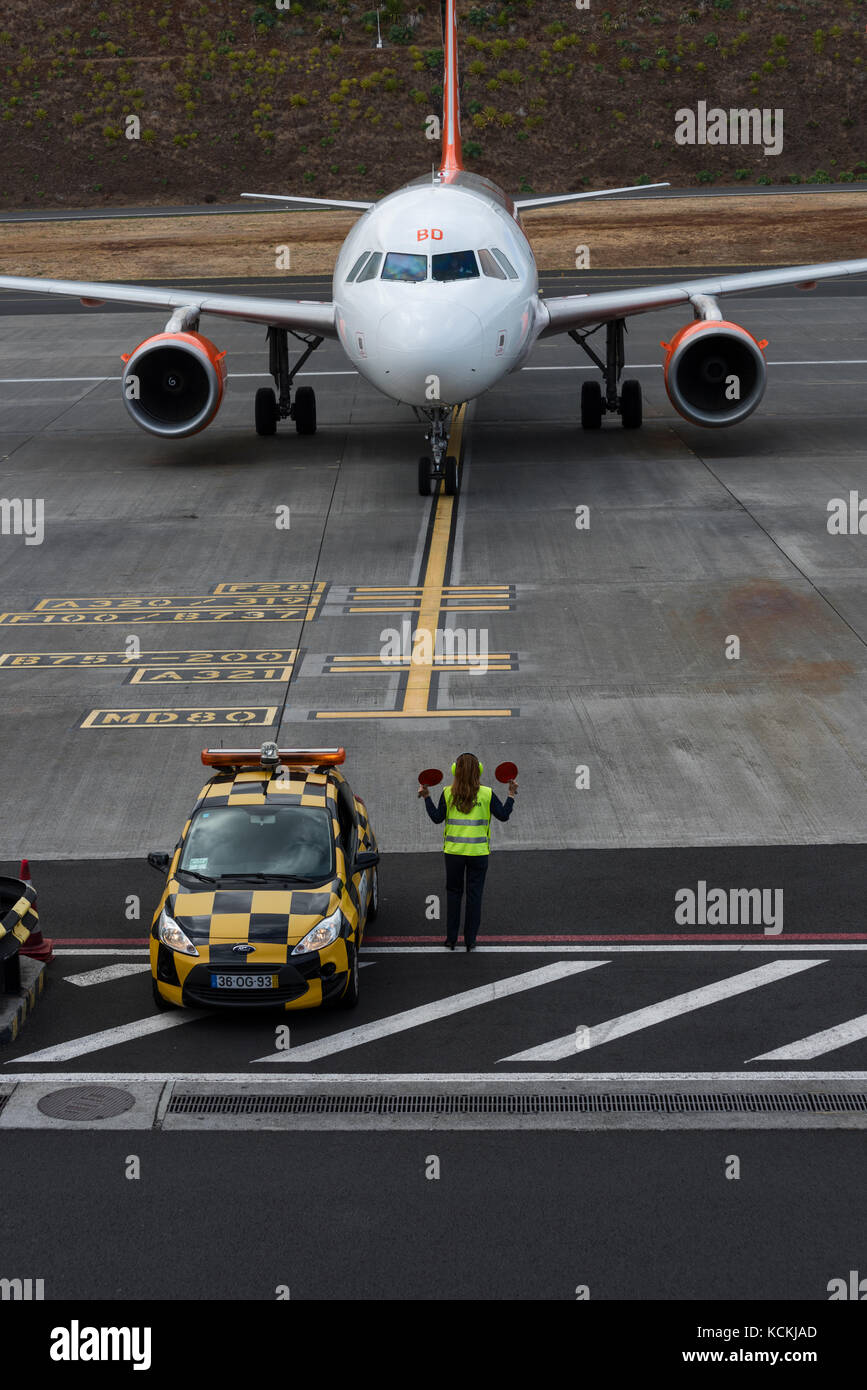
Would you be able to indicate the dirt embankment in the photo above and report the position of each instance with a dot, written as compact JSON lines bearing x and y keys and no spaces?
{"x":749,"y":230}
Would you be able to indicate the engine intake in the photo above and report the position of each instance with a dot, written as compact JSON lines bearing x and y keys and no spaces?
{"x":173,"y":383}
{"x":715,"y":372}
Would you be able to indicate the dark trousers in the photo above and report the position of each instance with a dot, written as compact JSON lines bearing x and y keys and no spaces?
{"x":475,"y":866}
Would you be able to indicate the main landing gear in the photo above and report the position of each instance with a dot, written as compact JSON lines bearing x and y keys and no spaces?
{"x":626,"y":403}
{"x":443,"y":464}
{"x":270,"y":407}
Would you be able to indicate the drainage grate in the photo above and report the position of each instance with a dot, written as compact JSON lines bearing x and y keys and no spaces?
{"x":702,"y":1103}
{"x":3,"y":1100}
{"x":86,"y":1103}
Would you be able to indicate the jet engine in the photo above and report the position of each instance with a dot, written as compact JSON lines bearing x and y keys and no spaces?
{"x":715,"y":372}
{"x":173,"y":383}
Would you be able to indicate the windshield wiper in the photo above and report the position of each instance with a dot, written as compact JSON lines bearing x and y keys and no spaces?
{"x":281,"y":878}
{"x":191,"y":873}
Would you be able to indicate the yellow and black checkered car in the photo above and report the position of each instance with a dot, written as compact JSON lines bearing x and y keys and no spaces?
{"x":269,"y":888}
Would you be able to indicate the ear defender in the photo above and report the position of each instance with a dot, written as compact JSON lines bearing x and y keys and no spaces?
{"x":454,"y":765}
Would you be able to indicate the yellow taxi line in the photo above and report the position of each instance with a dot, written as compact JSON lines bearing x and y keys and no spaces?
{"x":414,"y":714}
{"x":417,"y":692}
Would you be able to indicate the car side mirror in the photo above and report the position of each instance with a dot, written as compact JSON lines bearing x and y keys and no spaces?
{"x":368,"y":860}
{"x":158,"y":860}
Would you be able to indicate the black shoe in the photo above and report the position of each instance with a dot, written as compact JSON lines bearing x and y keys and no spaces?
{"x":449,"y":945}
{"x":471,"y":948}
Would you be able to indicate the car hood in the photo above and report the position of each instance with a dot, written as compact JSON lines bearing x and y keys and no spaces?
{"x":248,"y":912}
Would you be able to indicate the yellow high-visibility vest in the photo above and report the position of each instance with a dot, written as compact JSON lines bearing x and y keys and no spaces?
{"x":468,"y":833}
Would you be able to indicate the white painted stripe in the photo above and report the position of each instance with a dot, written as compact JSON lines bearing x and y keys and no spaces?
{"x":106,"y":972}
{"x":573,"y":1081}
{"x":611,"y":948}
{"x":818,"y":1043}
{"x":426,"y":1013}
{"x":576,"y":367}
{"x":560,"y":1048}
{"x":605,"y":948}
{"x":94,"y":951}
{"x":110,"y":1037}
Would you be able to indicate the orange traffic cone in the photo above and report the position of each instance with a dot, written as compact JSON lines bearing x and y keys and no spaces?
{"x":35,"y":945}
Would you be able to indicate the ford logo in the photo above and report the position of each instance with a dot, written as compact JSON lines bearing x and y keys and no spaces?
{"x":243,"y":949}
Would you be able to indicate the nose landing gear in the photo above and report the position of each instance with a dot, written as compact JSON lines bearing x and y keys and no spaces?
{"x":271,"y":408}
{"x":442,"y":465}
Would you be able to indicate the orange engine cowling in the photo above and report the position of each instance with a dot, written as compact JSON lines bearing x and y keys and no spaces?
{"x":173,"y":383}
{"x":715,"y":372}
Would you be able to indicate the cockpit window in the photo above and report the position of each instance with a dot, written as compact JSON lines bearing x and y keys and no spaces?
{"x":454,"y":265}
{"x":505,"y":263}
{"x":371,"y":270}
{"x":358,"y":264}
{"x":490,"y":266}
{"x":404,"y":265}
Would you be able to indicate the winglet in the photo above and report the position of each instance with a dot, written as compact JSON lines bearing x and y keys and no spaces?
{"x":452,"y":158}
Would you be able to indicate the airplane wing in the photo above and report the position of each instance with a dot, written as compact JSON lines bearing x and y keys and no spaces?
{"x":311,"y":202}
{"x":562,"y":313}
{"x":522,"y":204}
{"x":300,"y":315}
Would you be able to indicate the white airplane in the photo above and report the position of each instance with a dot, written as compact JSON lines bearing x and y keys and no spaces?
{"x":435,"y":299}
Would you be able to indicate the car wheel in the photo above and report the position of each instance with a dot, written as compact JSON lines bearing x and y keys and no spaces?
{"x":349,"y":999}
{"x":373,"y":905}
{"x":161,"y":1004}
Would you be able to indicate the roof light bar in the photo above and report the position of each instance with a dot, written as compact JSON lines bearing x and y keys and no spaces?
{"x":268,"y":755}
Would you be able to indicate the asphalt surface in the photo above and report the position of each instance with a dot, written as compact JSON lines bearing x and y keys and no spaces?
{"x":588,"y":894}
{"x":634,"y":1217}
{"x":609,"y":642}
{"x":610,"y":648}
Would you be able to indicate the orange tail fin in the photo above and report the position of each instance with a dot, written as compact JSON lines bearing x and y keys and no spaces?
{"x":452,"y":159}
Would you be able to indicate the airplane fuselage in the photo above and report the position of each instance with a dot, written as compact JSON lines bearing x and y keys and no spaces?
{"x":446,"y":303}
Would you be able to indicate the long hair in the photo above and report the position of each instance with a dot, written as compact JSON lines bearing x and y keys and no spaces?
{"x":465,"y":787}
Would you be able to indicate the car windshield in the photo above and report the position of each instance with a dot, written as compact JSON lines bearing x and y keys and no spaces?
{"x":404,"y":265}
{"x":239,"y":841}
{"x":454,"y":265}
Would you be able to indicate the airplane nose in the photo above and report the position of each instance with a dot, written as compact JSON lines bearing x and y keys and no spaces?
{"x":446,"y":344}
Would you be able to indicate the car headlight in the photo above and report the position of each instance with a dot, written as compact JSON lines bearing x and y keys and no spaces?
{"x":325,"y":933}
{"x":170,"y":934}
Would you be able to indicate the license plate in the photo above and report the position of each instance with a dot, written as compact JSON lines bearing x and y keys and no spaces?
{"x":243,"y":982}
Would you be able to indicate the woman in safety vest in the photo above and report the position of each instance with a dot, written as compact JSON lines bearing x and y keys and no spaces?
{"x":466,"y":807}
